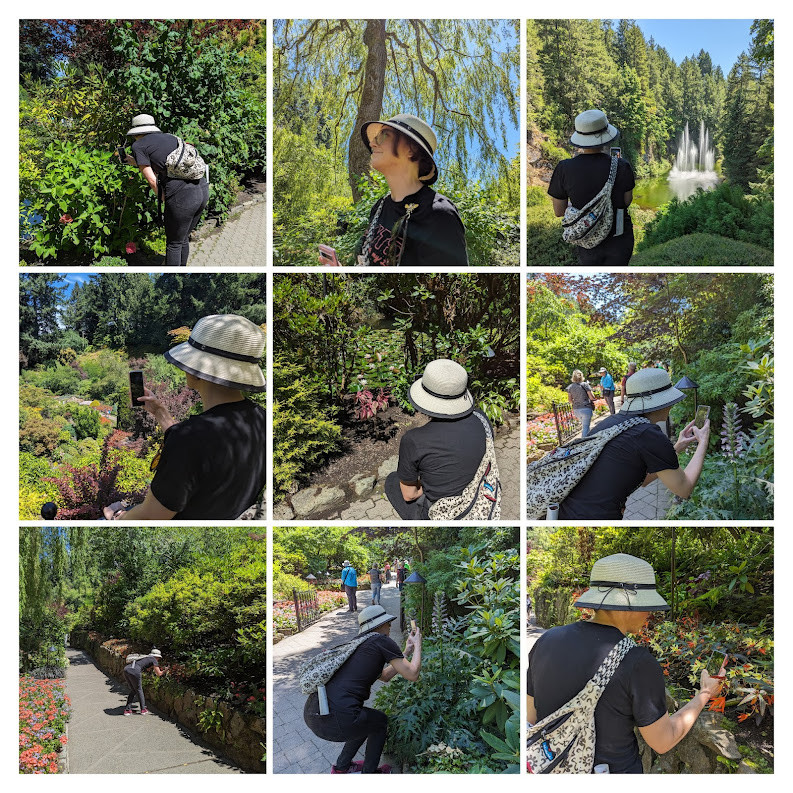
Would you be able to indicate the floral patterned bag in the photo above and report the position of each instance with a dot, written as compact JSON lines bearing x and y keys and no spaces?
{"x":589,"y":226}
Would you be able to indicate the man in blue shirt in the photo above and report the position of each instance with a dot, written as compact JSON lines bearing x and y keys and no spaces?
{"x":607,"y":387}
{"x":349,"y":580}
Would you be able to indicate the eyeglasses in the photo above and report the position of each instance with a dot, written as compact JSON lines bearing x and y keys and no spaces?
{"x":381,"y":137}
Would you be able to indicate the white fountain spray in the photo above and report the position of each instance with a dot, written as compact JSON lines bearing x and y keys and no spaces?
{"x":692,"y":160}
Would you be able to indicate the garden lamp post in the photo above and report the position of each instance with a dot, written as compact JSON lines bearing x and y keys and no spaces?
{"x":416,"y":578}
{"x":311,"y":579}
{"x":685,"y":383}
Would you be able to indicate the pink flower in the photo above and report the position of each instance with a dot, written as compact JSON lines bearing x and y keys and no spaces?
{"x":131,"y":247}
{"x":66,"y":218}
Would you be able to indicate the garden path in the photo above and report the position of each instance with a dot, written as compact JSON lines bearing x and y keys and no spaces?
{"x":296,"y":750}
{"x":240,"y":241}
{"x":103,"y":741}
{"x":533,"y":632}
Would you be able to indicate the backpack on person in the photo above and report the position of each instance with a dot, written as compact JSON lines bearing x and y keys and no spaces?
{"x":551,"y":479}
{"x":184,"y":162}
{"x":481,"y":499}
{"x":564,"y":741}
{"x":320,"y":668}
{"x":133,"y":658}
{"x":590,"y":225}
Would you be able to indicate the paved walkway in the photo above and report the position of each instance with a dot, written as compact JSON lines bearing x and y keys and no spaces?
{"x":104,"y":741}
{"x":240,"y":241}
{"x":296,"y":750}
{"x":533,"y":632}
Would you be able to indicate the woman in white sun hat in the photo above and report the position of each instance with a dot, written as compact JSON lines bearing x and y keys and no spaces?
{"x":412,"y":225}
{"x":639,"y":454}
{"x":133,"y":674}
{"x":185,"y":199}
{"x":211,"y":466}
{"x":377,"y":658}
{"x":623,"y":594}
{"x":440,"y":458}
{"x":578,"y":180}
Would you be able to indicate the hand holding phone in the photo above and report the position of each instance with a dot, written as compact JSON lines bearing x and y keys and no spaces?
{"x":327,"y":256}
{"x":136,"y":387}
{"x":703,"y":411}
{"x":413,"y":626}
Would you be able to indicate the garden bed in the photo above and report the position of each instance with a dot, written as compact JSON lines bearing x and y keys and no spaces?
{"x":284,"y":620}
{"x":44,"y":710}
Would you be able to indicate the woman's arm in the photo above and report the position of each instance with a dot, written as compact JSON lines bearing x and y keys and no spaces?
{"x":559,"y":206}
{"x":148,"y":173}
{"x":410,"y":490}
{"x":149,"y":509}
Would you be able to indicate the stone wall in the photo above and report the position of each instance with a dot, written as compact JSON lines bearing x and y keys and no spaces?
{"x":552,"y":607}
{"x":243,"y":738}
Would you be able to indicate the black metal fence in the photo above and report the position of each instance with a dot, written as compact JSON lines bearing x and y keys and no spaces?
{"x":306,"y":607}
{"x":567,"y":425}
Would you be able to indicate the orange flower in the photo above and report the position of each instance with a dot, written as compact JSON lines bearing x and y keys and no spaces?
{"x":718,"y":704}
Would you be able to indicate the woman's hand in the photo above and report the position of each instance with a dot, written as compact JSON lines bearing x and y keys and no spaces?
{"x":157,"y":409}
{"x":711,"y":684}
{"x":114,"y":511}
{"x":686,"y":437}
{"x":130,"y":160}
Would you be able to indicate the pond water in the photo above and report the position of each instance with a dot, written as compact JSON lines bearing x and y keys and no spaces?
{"x":651,"y":193}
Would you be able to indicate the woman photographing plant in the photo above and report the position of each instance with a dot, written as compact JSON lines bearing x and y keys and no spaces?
{"x":412,"y":225}
{"x":175,"y":172}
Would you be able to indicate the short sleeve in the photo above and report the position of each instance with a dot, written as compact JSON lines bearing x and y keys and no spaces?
{"x":175,"y":479}
{"x":630,"y":178}
{"x":647,"y":689}
{"x":556,"y":188}
{"x":529,"y":681}
{"x":141,"y":156}
{"x":408,"y":469}
{"x":446,"y":244}
{"x":390,"y":649}
{"x":657,"y":451}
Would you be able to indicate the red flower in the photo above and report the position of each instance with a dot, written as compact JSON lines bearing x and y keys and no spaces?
{"x":66,"y":218}
{"x":131,"y":247}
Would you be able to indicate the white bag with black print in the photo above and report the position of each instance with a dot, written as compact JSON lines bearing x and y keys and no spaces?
{"x":481,"y":499}
{"x":184,"y":162}
{"x":320,"y":668}
{"x":551,"y":479}
{"x":590,"y":225}
{"x":564,"y":741}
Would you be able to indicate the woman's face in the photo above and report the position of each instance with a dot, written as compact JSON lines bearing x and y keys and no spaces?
{"x":381,"y":142}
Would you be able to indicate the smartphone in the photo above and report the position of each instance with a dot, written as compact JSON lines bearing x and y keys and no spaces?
{"x":122,"y":153}
{"x":136,"y":387}
{"x":327,"y":256}
{"x":616,"y":151}
{"x":413,"y":626}
{"x":703,"y":411}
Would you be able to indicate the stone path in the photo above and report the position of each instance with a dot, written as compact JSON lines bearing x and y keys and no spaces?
{"x":296,"y":750}
{"x":104,"y":741}
{"x":240,"y":241}
{"x":332,"y":503}
{"x":533,"y":632}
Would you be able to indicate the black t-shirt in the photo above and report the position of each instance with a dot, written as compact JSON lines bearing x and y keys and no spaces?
{"x":619,"y":469}
{"x":213,"y":465}
{"x":564,"y":659}
{"x":141,"y":664}
{"x":581,"y":178}
{"x":443,"y":454}
{"x":435,"y":233}
{"x":351,"y":686}
{"x":153,"y":149}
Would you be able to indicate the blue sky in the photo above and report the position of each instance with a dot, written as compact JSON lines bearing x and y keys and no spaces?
{"x":724,"y":39}
{"x":70,"y":279}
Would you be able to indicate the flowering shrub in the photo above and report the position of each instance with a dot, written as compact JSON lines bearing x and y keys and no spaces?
{"x":44,"y":710}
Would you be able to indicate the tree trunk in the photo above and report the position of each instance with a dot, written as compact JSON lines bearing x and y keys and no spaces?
{"x":371,"y":104}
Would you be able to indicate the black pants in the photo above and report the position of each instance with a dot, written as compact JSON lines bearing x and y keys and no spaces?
{"x":352,"y":597}
{"x":183,"y":207}
{"x":135,"y":683}
{"x":407,"y":510}
{"x":609,"y":397}
{"x":612,"y":252}
{"x":367,"y":724}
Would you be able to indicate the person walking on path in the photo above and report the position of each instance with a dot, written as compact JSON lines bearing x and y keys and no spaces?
{"x":378,"y":658}
{"x":133,"y":674}
{"x":400,"y":576}
{"x":377,"y":580}
{"x":185,"y":199}
{"x":607,"y":387}
{"x":624,"y":383}
{"x":639,"y":454}
{"x":580,"y":396}
{"x":575,"y":182}
{"x":349,"y":580}
{"x":623,"y":595}
{"x":387,"y":571}
{"x":440,"y":458}
{"x":211,"y":466}
{"x":412,"y":225}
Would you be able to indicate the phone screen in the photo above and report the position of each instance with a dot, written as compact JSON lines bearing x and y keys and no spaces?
{"x":135,"y":387}
{"x":703,"y":411}
{"x":122,"y":152}
{"x":413,"y":625}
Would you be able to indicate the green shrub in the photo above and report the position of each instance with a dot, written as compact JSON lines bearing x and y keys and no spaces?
{"x":545,"y":247}
{"x":537,"y":195}
{"x":554,"y":154}
{"x":86,"y":423}
{"x":703,"y":250}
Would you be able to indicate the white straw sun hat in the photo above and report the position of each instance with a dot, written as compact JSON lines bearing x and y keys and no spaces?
{"x":373,"y":617}
{"x":647,"y":390}
{"x":156,"y":653}
{"x":442,"y":391}
{"x":224,"y":349}
{"x":143,"y":125}
{"x":415,"y":129}
{"x":622,"y":583}
{"x":592,"y":129}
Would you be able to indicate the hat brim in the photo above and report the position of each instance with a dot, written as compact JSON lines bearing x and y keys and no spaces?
{"x":385,"y":618}
{"x":615,"y":600}
{"x":216,"y":369}
{"x":143,"y":130}
{"x":649,"y":404}
{"x":438,"y":408}
{"x":584,"y":141}
{"x":407,"y":133}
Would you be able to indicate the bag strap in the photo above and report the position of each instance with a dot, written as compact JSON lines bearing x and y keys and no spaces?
{"x":181,"y":153}
{"x":612,"y":661}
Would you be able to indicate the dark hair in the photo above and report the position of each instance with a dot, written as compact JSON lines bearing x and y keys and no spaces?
{"x":417,"y":153}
